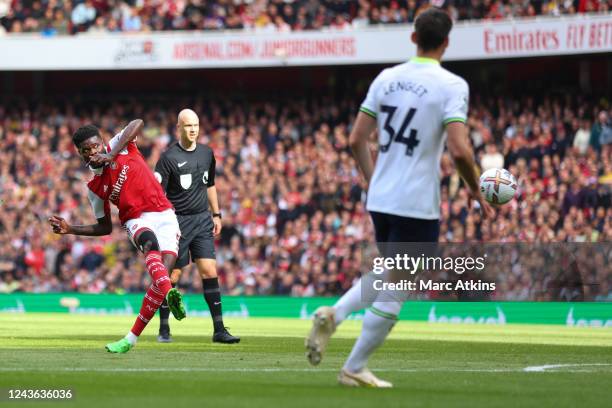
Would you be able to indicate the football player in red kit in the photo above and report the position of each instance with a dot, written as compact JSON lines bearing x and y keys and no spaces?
{"x":122,"y":177}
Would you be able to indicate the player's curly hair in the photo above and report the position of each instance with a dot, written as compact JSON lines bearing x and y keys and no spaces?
{"x":432,"y":27}
{"x":83,"y":133}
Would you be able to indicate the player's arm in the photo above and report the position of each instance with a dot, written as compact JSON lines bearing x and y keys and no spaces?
{"x":213,"y":201}
{"x":61,"y":226}
{"x":364,"y":125}
{"x":101,"y":210}
{"x":461,"y":151}
{"x":459,"y":147}
{"x":128,"y":134}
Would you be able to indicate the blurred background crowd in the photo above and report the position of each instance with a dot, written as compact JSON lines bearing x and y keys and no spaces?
{"x":61,"y":17}
{"x":292,"y":198}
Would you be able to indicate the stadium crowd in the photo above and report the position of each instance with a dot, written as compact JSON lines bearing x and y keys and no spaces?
{"x":60,"y":17}
{"x":292,"y":198}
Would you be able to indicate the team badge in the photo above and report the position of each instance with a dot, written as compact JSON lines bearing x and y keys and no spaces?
{"x":185,"y":181}
{"x":113,"y":165}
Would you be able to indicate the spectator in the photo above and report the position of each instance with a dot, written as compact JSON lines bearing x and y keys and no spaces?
{"x":131,"y":21}
{"x":83,"y":15}
{"x":600,"y":131}
{"x":59,"y":25}
{"x":492,"y":159}
{"x":100,"y":26}
{"x":582,"y":136}
{"x":605,"y":129}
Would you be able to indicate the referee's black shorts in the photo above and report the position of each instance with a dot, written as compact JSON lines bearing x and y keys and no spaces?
{"x":196,"y":238}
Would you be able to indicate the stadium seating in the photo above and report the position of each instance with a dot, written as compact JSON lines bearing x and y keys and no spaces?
{"x":101,"y":16}
{"x":290,"y":191}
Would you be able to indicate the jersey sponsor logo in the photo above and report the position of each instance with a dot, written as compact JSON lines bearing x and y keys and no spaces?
{"x":114,"y":196}
{"x":205,"y":177}
{"x":185,"y":181}
{"x":182,"y":164}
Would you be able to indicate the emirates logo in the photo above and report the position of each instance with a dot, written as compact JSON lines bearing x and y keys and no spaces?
{"x":119,"y":183}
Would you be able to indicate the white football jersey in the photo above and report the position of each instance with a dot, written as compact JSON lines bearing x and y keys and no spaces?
{"x":412,"y":103}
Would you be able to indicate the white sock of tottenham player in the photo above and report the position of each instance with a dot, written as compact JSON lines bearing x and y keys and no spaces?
{"x":359,"y":297}
{"x":377,"y":324}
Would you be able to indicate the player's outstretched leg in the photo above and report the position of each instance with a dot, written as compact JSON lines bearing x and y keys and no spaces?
{"x":359,"y":297}
{"x":377,"y":324}
{"x":326,"y":319}
{"x":151,"y":301}
{"x":363,"y":378}
{"x":160,"y":288}
{"x":323,"y":326}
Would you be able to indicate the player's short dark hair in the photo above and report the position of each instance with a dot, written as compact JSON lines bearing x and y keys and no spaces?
{"x":83,"y":133}
{"x":432,"y":27}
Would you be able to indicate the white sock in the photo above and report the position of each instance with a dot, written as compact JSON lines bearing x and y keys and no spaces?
{"x":373,"y":333}
{"x":131,"y":337}
{"x":359,"y":297}
{"x":377,"y":324}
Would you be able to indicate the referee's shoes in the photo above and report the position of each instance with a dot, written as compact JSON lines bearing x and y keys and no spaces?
{"x":223,"y":336}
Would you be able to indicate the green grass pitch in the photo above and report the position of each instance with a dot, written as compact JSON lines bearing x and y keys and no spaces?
{"x":430,"y":365}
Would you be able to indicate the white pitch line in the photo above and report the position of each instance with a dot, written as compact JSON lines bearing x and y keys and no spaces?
{"x":298,"y":370}
{"x":542,"y":368}
{"x":242,"y":370}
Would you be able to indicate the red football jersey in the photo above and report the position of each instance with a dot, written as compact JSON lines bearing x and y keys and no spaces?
{"x":128,"y":183}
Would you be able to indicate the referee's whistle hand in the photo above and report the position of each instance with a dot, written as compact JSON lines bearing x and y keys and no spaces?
{"x":217,"y":226}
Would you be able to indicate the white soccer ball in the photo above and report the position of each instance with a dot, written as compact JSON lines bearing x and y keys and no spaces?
{"x":498,"y":186}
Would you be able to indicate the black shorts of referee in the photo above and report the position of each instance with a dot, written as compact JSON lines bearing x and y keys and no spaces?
{"x":197,"y":240}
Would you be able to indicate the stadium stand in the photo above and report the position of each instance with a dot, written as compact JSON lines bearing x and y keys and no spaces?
{"x":291,"y":195}
{"x":61,"y":17}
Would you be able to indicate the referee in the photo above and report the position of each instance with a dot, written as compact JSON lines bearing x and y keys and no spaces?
{"x":186,"y":172}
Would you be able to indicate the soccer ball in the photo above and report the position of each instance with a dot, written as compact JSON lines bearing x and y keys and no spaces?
{"x":498,"y":186}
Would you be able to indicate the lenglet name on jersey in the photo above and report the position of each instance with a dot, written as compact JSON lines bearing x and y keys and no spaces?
{"x":407,"y":86}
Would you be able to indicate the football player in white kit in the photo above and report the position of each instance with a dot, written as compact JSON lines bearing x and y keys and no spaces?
{"x":413,"y":106}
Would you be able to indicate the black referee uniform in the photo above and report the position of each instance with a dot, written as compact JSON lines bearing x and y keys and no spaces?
{"x":185,"y":177}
